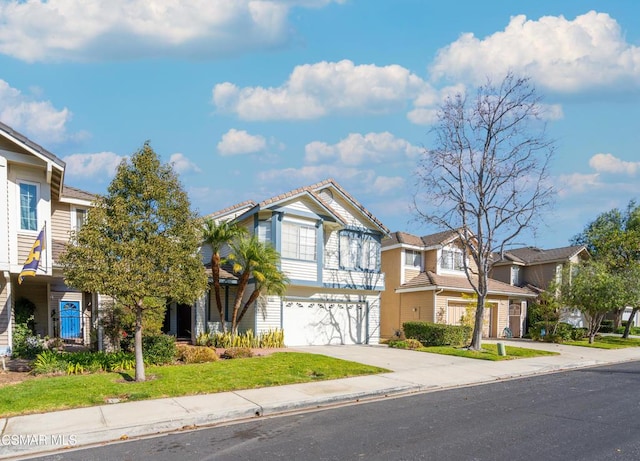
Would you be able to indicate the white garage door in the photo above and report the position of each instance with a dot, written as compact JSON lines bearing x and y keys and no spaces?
{"x":320,"y":323}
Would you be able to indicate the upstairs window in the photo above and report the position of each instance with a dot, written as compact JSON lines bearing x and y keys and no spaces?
{"x":413,"y":258}
{"x":451,"y":259}
{"x":264,"y":231}
{"x":515,"y":275}
{"x":298,"y":241}
{"x":359,"y":250}
{"x":80,"y":218}
{"x":28,"y":206}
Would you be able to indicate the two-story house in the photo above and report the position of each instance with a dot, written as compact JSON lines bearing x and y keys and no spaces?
{"x":426,"y":281}
{"x":35,"y":205}
{"x":536,"y":268}
{"x":330,"y":252}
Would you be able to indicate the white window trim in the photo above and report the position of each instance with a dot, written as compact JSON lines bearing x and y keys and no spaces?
{"x":19,"y":207}
{"x":444,"y":270}
{"x":74,"y":216}
{"x":408,"y":264}
{"x":300,"y":224}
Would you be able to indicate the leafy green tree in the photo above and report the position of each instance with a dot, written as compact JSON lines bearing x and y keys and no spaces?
{"x":217,"y":235}
{"x":486,"y":177}
{"x":253,"y":258}
{"x":547,"y":308}
{"x":139,"y":243}
{"x":631,"y":293}
{"x":594,"y":290}
{"x":613,"y":238}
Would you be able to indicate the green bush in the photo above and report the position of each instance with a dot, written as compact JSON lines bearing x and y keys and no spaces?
{"x":436,"y":334}
{"x":159,"y":349}
{"x":633,"y":331}
{"x":405,"y":344}
{"x":48,"y":362}
{"x":578,"y":333}
{"x":26,"y":345}
{"x":606,"y":326}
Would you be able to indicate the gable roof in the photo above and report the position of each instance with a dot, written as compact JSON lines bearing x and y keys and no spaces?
{"x":78,"y":194}
{"x":426,"y":241}
{"x":430,"y":280}
{"x":311,"y":191}
{"x":533,"y":255}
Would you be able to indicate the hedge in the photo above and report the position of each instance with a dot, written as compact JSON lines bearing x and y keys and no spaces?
{"x":437,"y":334}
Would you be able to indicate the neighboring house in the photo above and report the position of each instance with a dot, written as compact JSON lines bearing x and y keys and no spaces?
{"x":536,"y":268}
{"x":330,"y":251}
{"x":426,"y":281}
{"x":32,"y":197}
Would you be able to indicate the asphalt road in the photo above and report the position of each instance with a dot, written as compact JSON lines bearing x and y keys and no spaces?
{"x":590,"y":414}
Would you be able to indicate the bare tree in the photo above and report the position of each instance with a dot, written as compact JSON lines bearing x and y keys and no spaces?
{"x":486,"y":177}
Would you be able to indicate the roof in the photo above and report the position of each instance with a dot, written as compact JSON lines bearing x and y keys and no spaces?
{"x":430,"y":279}
{"x":311,"y":190}
{"x":75,"y":193}
{"x":534,"y":255}
{"x":225,"y":273}
{"x":439,"y":238}
{"x":32,"y":145}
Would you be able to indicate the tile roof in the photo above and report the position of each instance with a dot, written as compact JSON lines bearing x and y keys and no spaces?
{"x":431,"y":279}
{"x":225,"y":272}
{"x":312,"y":190}
{"x":237,"y":206}
{"x":533,"y":255}
{"x":430,"y":240}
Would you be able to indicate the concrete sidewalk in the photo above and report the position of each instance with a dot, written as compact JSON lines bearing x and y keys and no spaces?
{"x":411,"y":372}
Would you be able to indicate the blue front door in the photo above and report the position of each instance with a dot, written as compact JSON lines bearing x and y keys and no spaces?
{"x":70,"y":320}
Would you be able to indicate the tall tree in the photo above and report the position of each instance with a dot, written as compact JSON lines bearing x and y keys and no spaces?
{"x":631,"y":293}
{"x":139,"y":243}
{"x":613,"y":238}
{"x":486,"y":176}
{"x":218,"y":235}
{"x":595,"y":290}
{"x":260,"y":261}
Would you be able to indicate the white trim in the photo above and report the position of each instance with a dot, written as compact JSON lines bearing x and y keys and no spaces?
{"x":77,"y":201}
{"x":19,"y":182}
{"x":74,"y":216}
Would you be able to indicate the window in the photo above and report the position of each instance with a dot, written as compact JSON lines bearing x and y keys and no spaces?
{"x":298,"y":241}
{"x":28,"y":206}
{"x":515,"y":275}
{"x":413,"y":258}
{"x":451,"y":259}
{"x":264,"y":231}
{"x":79,"y":219}
{"x":359,"y":250}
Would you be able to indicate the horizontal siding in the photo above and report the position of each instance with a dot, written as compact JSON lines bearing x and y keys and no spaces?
{"x":300,"y":270}
{"x":347,"y":213}
{"x":25,"y":242}
{"x":268,"y":317}
{"x":359,"y":280}
{"x":60,"y":221}
{"x":331,"y":251}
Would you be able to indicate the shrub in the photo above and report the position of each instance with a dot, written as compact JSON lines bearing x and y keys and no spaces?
{"x":196,"y":354}
{"x":606,"y":326}
{"x":49,"y":362}
{"x":237,"y":353}
{"x":410,"y":343}
{"x":436,"y":334}
{"x":578,"y":333}
{"x":159,"y":349}
{"x":26,"y":345}
{"x":633,"y":331}
{"x":268,"y":339}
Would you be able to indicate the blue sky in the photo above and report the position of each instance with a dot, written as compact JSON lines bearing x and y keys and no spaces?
{"x":251,"y":98}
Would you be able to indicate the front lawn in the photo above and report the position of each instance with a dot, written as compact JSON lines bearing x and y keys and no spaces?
{"x":60,"y":392}
{"x":606,"y":342}
{"x":488,"y":352}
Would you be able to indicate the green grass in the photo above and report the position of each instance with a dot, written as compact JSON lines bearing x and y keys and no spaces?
{"x":606,"y":342}
{"x":61,"y":392}
{"x":488,"y":352}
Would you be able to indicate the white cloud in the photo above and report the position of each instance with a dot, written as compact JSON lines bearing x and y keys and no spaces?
{"x":560,"y":54}
{"x":315,"y":90}
{"x":237,"y":142}
{"x":98,"y":165}
{"x":182,"y":164}
{"x":607,"y":163}
{"x":42,"y":30}
{"x":384,"y":184}
{"x":36,"y":119}
{"x":577,"y":183}
{"x":358,"y":149}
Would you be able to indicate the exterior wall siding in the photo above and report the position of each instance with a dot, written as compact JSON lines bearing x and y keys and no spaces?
{"x":389,"y":299}
{"x":60,"y":221}
{"x":416,"y":306}
{"x":300,"y":270}
{"x":5,"y":313}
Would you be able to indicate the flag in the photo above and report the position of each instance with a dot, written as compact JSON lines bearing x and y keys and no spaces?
{"x":33,"y":260}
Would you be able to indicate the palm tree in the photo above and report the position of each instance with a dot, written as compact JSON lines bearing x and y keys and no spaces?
{"x":217,"y":235}
{"x":253,"y":258}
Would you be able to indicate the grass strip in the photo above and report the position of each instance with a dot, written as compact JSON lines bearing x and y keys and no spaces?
{"x":488,"y":352}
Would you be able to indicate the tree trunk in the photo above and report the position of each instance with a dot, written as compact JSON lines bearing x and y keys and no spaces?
{"x":617,"y":318}
{"x":242,"y":285}
{"x":476,"y":338}
{"x":627,"y":329}
{"x":140,"y":375}
{"x":215,"y":272}
{"x":252,"y":299}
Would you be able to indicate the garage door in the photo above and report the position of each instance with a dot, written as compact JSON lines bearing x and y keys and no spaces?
{"x":321,"y":323}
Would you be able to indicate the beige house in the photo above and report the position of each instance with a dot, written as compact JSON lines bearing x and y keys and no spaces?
{"x":536,"y":268}
{"x":35,"y":205}
{"x":426,"y":281}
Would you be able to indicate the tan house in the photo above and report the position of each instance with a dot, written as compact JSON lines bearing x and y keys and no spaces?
{"x":536,"y":268}
{"x":37,"y":207}
{"x":426,"y":281}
